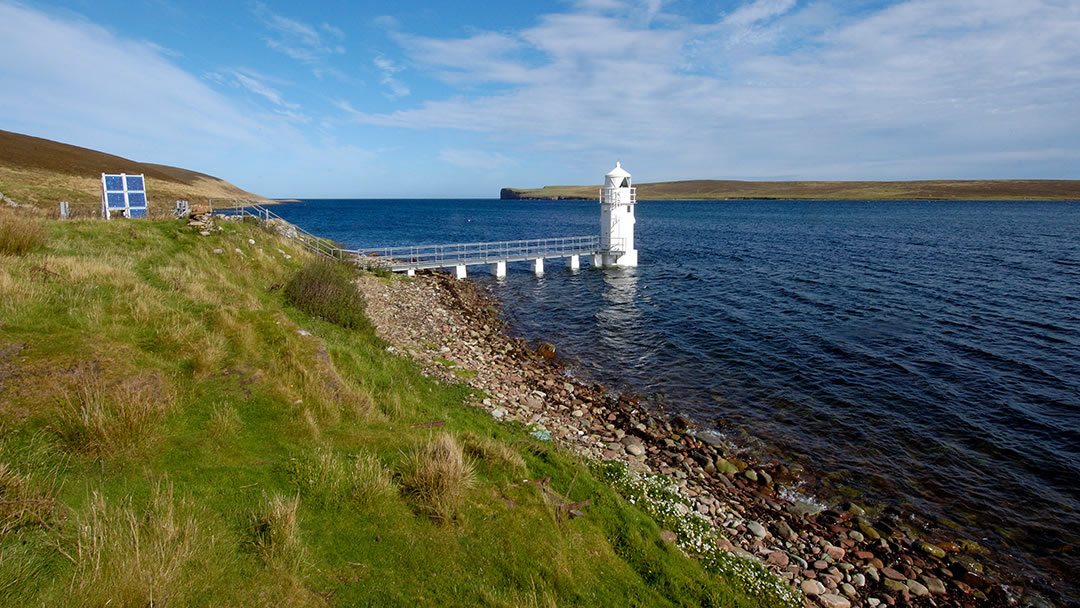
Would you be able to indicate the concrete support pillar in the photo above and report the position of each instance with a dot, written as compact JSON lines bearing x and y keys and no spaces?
{"x":574,"y":262}
{"x":498,"y":269}
{"x":597,"y":260}
{"x":459,"y":271}
{"x":410,"y":272}
{"x":538,"y":266}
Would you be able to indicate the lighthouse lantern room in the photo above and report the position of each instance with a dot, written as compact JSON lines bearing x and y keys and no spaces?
{"x":617,"y":201}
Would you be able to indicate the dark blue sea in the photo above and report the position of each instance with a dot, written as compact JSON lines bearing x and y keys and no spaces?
{"x":921,"y":354}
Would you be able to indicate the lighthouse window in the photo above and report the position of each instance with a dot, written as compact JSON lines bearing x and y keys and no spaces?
{"x":625,"y":182}
{"x":628,"y":209}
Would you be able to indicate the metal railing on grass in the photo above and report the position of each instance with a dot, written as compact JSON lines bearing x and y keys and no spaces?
{"x":314,"y":244}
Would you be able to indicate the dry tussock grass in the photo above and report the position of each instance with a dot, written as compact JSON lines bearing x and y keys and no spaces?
{"x":105,"y":418}
{"x":17,"y":290}
{"x":126,"y":556}
{"x":224,"y":421}
{"x":19,"y":233}
{"x":96,"y":269}
{"x":330,"y":478}
{"x":435,"y":477}
{"x":311,"y":423}
{"x":25,"y":500}
{"x":321,"y":474}
{"x":361,"y":405}
{"x":304,"y":373}
{"x":209,"y":349}
{"x":494,"y":453}
{"x":371,"y":480}
{"x":142,"y":309}
{"x":273,"y":531}
{"x":392,"y":406}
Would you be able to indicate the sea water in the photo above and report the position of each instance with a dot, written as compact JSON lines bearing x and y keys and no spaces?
{"x":923,"y":354}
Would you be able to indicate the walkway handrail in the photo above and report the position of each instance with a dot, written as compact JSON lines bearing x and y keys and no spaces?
{"x":314,"y":244}
{"x":425,"y":256}
{"x":433,"y":256}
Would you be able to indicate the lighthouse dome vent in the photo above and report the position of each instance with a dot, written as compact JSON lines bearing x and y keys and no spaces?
{"x":618,"y":171}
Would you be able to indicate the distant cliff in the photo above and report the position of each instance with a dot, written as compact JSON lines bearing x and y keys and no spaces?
{"x":1011,"y":189}
{"x":512,"y":194}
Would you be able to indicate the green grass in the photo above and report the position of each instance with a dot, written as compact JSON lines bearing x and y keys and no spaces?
{"x":169,"y":436}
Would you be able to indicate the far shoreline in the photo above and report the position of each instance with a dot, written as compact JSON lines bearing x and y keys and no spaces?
{"x":712,"y":189}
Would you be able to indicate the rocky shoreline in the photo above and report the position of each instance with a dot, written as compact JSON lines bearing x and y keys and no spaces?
{"x":837,"y":558}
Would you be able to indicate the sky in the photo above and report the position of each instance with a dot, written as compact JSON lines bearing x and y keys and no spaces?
{"x":426,"y":98}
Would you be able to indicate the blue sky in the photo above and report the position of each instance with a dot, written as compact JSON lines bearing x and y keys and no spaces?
{"x":437,"y":99}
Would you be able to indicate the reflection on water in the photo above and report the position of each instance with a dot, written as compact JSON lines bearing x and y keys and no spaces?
{"x":618,"y":319}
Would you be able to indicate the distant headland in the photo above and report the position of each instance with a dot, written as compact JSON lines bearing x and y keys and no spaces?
{"x":707,"y":189}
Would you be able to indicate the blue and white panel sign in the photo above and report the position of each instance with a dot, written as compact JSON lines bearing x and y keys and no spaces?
{"x":123,"y":195}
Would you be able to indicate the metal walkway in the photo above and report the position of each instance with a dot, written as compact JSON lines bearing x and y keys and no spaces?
{"x":420,"y":257}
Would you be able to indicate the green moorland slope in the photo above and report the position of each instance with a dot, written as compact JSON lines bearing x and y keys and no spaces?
{"x":1010,"y":189}
{"x":176,"y":430}
{"x":42,"y":172}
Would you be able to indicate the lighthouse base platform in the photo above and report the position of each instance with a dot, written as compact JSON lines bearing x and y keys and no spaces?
{"x":624,"y":258}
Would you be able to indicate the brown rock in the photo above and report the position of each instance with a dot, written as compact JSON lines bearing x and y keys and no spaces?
{"x":893,"y":574}
{"x":812,"y":587}
{"x":917,"y":588}
{"x":974,"y":579}
{"x":778,"y":558}
{"x":679,"y":424}
{"x":934,"y":584}
{"x":546,"y":350}
{"x":895,"y":586}
{"x":835,"y":552}
{"x":831,"y":600}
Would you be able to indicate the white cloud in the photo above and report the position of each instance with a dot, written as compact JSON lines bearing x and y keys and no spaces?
{"x":76,"y":82}
{"x":600,"y":5}
{"x":388,"y":68}
{"x":652,"y":8}
{"x":758,"y":10}
{"x":878,"y":90}
{"x":386,"y":22}
{"x":78,"y":77}
{"x":334,"y":31}
{"x":298,"y":40}
{"x":257,"y":84}
{"x":160,"y":50}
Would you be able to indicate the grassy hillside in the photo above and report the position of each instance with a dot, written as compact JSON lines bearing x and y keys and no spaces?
{"x":176,"y":430}
{"x":905,"y":190}
{"x":41,"y":172}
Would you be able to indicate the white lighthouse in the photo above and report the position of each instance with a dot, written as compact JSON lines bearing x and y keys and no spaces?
{"x":617,"y":201}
